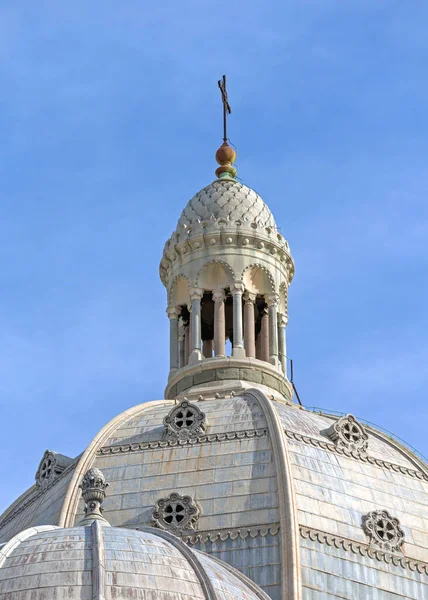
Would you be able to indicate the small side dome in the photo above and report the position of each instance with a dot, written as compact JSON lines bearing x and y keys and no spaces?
{"x":226,"y":200}
{"x":98,"y":561}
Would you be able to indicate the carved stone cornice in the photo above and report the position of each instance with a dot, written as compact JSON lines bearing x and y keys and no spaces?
{"x":200,"y":439}
{"x":363,"y":549}
{"x":40,"y":492}
{"x":384,"y":464}
{"x":213,"y":535}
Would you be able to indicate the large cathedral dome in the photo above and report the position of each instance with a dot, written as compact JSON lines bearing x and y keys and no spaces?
{"x":228,"y":464}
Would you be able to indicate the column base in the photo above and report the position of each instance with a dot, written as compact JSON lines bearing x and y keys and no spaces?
{"x":274,"y":360}
{"x":195,"y":357}
{"x":238,"y":352}
{"x":172,"y":373}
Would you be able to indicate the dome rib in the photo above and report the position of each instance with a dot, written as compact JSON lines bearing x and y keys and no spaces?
{"x":246,"y":580}
{"x":191,"y":558}
{"x":98,"y":560}
{"x":290,"y":549}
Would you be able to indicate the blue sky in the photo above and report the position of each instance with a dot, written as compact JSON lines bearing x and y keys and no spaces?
{"x":110,"y":117}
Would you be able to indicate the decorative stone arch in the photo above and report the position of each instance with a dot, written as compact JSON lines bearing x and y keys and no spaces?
{"x":257,"y":279}
{"x":179,"y":292}
{"x":215,"y":275}
{"x":87,"y":459}
{"x":283,"y":299}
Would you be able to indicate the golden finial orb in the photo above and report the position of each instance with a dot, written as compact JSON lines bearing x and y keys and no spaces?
{"x":225,"y":156}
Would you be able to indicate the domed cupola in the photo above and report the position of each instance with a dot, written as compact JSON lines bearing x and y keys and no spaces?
{"x":94,"y":560}
{"x":227,"y":269}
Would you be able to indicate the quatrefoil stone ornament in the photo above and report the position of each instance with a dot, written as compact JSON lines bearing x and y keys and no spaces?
{"x":50,"y":467}
{"x":349,"y":434}
{"x":383,"y":530}
{"x":175,"y":513}
{"x":184,"y":420}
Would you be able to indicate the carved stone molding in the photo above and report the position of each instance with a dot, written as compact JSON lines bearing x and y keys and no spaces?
{"x":224,"y":534}
{"x":184,"y":421}
{"x":357,"y":455}
{"x":383,"y":530}
{"x":200,"y":439}
{"x":363,"y":549}
{"x":175,"y":513}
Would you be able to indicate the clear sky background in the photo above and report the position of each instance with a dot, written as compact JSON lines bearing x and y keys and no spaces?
{"x":110,"y":117}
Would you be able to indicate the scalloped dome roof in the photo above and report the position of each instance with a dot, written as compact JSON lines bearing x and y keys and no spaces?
{"x":99,"y":561}
{"x":229,"y":200}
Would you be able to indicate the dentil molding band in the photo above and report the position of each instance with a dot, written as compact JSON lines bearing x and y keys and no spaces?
{"x":191,"y":441}
{"x":356,"y":455}
{"x":363,"y":549}
{"x":224,"y":534}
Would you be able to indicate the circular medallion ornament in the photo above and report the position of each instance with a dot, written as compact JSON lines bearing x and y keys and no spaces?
{"x":384,"y":531}
{"x":184,"y":420}
{"x":349,"y":434}
{"x":175,"y":513}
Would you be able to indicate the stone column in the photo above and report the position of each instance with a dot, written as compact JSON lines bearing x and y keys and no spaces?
{"x":173,"y":313}
{"x":264,"y":336}
{"x":282,"y":347}
{"x":181,"y":344}
{"x":259,"y":346}
{"x":249,"y":326}
{"x":272,"y":302}
{"x":187,"y":343}
{"x":219,"y":324}
{"x":195,"y":296}
{"x":188,"y":335}
{"x":207,"y":348}
{"x":238,"y":346}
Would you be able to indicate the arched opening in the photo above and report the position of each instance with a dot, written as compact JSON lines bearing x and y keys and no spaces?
{"x":223,"y":317}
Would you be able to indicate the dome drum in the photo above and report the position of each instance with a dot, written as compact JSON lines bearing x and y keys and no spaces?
{"x":226,"y":374}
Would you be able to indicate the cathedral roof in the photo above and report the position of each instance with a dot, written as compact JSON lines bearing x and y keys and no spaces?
{"x":232,"y":472}
{"x":99,"y":561}
{"x":227,"y":200}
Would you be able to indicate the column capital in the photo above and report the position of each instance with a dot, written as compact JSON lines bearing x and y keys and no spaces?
{"x":173,"y":312}
{"x":218,"y":295}
{"x":272,"y":299}
{"x":249,"y":297}
{"x":196,"y":293}
{"x":237,"y":288}
{"x":282,"y":320}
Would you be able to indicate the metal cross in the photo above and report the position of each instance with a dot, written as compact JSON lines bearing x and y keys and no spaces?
{"x":226,"y":106}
